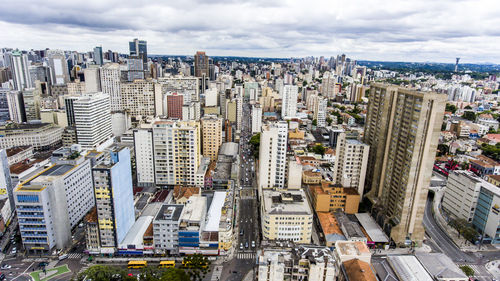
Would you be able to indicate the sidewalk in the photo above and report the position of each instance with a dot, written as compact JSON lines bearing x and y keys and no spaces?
{"x":461,"y":243}
{"x":494,"y":268}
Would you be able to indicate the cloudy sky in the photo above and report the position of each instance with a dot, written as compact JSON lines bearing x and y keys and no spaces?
{"x":406,"y":30}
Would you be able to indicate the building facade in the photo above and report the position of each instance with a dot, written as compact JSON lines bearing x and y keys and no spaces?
{"x":272,"y":155}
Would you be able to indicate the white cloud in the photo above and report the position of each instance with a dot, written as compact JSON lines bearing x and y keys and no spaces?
{"x":424,"y":30}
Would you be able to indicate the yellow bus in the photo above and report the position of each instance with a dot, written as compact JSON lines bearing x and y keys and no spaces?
{"x":167,"y":264}
{"x":137,"y":264}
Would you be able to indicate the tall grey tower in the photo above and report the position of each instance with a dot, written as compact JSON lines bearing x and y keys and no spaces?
{"x":456,"y":64}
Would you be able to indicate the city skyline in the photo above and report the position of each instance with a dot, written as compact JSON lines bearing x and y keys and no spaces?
{"x":422,"y":31}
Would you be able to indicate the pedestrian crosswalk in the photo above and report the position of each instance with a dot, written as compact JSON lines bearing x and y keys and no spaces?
{"x":217,"y":273}
{"x":75,"y":256}
{"x":245,"y":256}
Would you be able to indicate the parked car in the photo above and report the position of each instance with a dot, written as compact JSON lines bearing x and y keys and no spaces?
{"x":63,"y":257}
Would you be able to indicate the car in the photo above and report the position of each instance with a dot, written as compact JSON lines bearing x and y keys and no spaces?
{"x":14,"y":251}
{"x":6,"y":266}
{"x":63,"y":257}
{"x":42,"y":264}
{"x":241,"y":232}
{"x":253,"y":244}
{"x":80,"y":225}
{"x":246,"y":244}
{"x":241,"y":246}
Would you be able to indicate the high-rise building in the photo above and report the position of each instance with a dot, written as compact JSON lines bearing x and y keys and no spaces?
{"x":6,"y":187}
{"x":32,"y":102}
{"x":175,"y":102}
{"x":320,"y":112}
{"x":185,"y":85}
{"x":211,"y":128}
{"x":98,"y":59}
{"x":135,"y":68}
{"x":256,"y":118}
{"x":58,"y":67}
{"x":92,"y":119}
{"x":289,"y":101}
{"x":110,"y":84}
{"x":166,"y":227}
{"x":272,"y":155}
{"x":53,"y":202}
{"x":19,"y":67}
{"x":139,"y":48}
{"x":4,"y":106}
{"x":402,"y":129}
{"x":351,"y":162}
{"x":114,"y":198}
{"x":201,"y":65}
{"x":144,"y":157}
{"x":177,"y":151}
{"x":16,"y":106}
{"x":92,"y":79}
{"x":138,"y":97}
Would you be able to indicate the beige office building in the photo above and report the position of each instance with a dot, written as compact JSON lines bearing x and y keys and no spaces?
{"x":211,"y":130}
{"x":402,"y":129}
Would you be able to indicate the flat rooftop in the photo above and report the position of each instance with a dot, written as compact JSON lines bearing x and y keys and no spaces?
{"x":215,"y":211}
{"x":171,"y":212}
{"x":372,"y":228}
{"x":289,"y":202}
{"x":408,"y":268}
{"x":31,"y":188}
{"x":57,"y":170}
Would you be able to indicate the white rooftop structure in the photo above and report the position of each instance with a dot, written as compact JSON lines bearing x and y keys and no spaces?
{"x":136,"y":233}
{"x":441,"y":267}
{"x":192,"y":211}
{"x":372,"y":228}
{"x":408,"y":268}
{"x":214,"y":213}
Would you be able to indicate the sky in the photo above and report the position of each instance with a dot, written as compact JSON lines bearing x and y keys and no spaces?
{"x":390,"y":30}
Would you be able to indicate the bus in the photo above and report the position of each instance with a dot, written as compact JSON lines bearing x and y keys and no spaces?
{"x":137,"y":264}
{"x":167,"y":264}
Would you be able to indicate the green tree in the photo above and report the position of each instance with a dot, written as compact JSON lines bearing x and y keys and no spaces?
{"x":442,"y":149}
{"x":198,"y":266}
{"x":492,"y":151}
{"x":451,"y":108}
{"x":105,"y":273}
{"x":174,"y":274}
{"x":469,"y":115}
{"x":467,"y":270}
{"x":329,"y":121}
{"x":304,"y":83}
{"x":319,"y":149}
{"x":315,"y":122}
{"x":255,"y":143}
{"x":468,"y":107}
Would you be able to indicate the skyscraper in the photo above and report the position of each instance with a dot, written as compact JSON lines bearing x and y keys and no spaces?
{"x":402,"y":129}
{"x":135,"y":68}
{"x":175,"y":102}
{"x":114,"y":198}
{"x":92,"y":119}
{"x":110,"y":84}
{"x":256,"y":118}
{"x":140,"y":48}
{"x":350,"y":162}
{"x":58,"y":67}
{"x":20,"y":72}
{"x":201,"y":64}
{"x":211,"y":129}
{"x":272,"y":155}
{"x":98,"y":59}
{"x":92,"y":79}
{"x":289,"y":101}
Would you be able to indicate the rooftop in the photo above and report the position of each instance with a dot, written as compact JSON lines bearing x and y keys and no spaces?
{"x":352,"y":248}
{"x":372,"y":228}
{"x":229,"y":149}
{"x":330,"y":227}
{"x":440,"y":265}
{"x":290,"y":202}
{"x":408,"y":268}
{"x":358,"y":270}
{"x":214,"y":212}
{"x":349,"y":228}
{"x":136,"y":232}
{"x":170,"y":212}
{"x":15,"y":150}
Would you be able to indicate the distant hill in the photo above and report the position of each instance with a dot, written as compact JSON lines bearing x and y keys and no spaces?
{"x":430,"y":67}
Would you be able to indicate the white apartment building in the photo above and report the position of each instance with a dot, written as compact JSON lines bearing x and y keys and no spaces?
{"x":272,"y":155}
{"x":144,"y":157}
{"x":286,"y":216}
{"x":351,"y":162}
{"x":52,"y":203}
{"x":19,"y":65}
{"x":461,"y":194}
{"x":289,"y":101}
{"x":92,"y":119}
{"x":179,"y":84}
{"x":177,"y":151}
{"x":256,"y":118}
{"x":320,"y":112}
{"x":166,"y":228}
{"x":110,"y":84}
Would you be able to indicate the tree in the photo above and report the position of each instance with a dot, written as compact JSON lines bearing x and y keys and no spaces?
{"x":197,"y":265}
{"x":104,"y":273}
{"x":451,"y":108}
{"x":315,"y":122}
{"x":467,"y":270}
{"x":442,"y":149}
{"x":255,"y":143}
{"x":469,"y":115}
{"x":304,"y":83}
{"x":174,"y":274}
{"x":319,"y":149}
{"x":468,"y":107}
{"x":329,"y":121}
